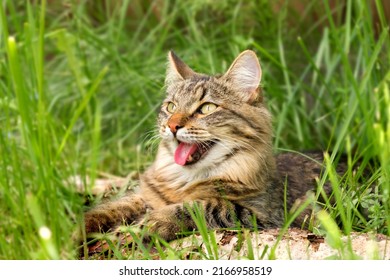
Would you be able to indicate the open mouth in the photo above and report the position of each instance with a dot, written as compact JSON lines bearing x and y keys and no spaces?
{"x":190,"y":153}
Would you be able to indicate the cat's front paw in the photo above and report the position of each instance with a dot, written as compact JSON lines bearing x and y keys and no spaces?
{"x":162,"y":225}
{"x":92,"y":224}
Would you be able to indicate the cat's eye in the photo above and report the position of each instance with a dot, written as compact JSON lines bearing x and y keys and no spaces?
{"x":171,"y":107}
{"x":207,"y":108}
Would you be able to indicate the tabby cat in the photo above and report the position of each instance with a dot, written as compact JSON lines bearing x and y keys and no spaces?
{"x":215,"y":152}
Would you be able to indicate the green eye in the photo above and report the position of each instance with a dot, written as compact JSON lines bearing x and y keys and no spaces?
{"x":208,"y":108}
{"x":171,"y":107}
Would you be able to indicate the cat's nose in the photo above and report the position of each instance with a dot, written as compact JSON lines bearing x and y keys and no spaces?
{"x":174,"y":128}
{"x":176,"y":122}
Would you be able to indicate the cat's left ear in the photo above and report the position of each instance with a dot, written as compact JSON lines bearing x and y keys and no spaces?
{"x":177,"y":70}
{"x":245,"y":75}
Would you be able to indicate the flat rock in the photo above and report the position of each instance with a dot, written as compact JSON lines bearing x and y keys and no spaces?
{"x":295,"y":244}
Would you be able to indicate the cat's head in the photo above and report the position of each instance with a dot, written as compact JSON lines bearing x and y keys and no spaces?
{"x":208,"y":119}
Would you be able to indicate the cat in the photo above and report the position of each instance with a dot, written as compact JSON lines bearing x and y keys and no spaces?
{"x":215,"y":153}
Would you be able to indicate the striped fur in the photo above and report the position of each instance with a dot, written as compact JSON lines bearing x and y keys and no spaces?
{"x":235,"y":180}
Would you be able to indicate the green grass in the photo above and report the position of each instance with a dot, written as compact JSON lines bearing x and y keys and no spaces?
{"x":80,"y":83}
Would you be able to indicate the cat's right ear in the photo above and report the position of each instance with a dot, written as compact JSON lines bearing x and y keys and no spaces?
{"x":177,"y":70}
{"x":244,"y":75}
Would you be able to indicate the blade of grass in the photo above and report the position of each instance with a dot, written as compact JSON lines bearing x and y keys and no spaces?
{"x":81,"y":107}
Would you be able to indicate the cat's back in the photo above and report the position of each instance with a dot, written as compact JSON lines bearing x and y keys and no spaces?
{"x":301,"y":171}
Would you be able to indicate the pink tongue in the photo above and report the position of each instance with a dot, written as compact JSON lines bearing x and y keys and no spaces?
{"x":183,"y":151}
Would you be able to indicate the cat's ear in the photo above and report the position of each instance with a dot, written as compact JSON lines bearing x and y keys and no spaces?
{"x":177,"y":70}
{"x":245,"y":75}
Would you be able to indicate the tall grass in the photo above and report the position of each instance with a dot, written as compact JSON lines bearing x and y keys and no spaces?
{"x":80,"y":84}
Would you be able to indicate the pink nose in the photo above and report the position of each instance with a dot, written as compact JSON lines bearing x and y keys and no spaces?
{"x":176,"y":122}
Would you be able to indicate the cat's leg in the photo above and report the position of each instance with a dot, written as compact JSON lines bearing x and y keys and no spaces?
{"x":107,"y":216}
{"x":172,"y":220}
